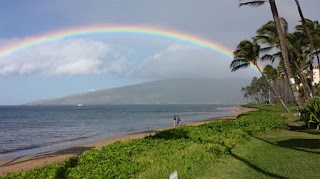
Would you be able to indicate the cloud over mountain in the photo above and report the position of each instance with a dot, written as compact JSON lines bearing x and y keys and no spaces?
{"x":185,"y":61}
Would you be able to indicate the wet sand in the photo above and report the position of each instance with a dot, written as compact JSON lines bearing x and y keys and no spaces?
{"x":41,"y":159}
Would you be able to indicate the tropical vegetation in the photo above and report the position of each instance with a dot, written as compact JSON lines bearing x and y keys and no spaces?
{"x":310,"y":112}
{"x":294,"y":52}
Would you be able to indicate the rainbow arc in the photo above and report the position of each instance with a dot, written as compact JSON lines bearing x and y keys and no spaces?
{"x":117,"y":29}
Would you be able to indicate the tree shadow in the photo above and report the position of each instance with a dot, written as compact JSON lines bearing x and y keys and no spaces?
{"x":296,"y":144}
{"x":313,"y":132}
{"x":255,"y":167}
{"x":171,"y":134}
{"x":63,"y":170}
{"x":300,"y":143}
{"x":71,"y":150}
{"x":296,"y":127}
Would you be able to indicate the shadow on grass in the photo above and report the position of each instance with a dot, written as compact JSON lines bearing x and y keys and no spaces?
{"x":172,"y":134}
{"x":296,"y":144}
{"x":313,"y":132}
{"x":64,"y":169}
{"x":296,"y":128}
{"x":300,"y":143}
{"x":258,"y":169}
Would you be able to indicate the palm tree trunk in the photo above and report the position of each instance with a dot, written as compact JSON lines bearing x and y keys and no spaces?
{"x":284,"y":52}
{"x":306,"y":88}
{"x":274,"y":91}
{"x":269,"y":96}
{"x":307,"y":31}
{"x":318,"y":59}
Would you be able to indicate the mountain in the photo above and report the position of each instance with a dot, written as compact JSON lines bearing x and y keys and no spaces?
{"x":187,"y":91}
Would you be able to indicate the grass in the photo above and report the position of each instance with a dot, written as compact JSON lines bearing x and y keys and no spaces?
{"x":274,"y":154}
{"x":256,"y":145}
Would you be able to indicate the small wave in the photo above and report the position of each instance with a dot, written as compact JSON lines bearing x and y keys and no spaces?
{"x":5,"y":151}
{"x":221,"y":108}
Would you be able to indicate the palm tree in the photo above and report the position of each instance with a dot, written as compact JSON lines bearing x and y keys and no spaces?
{"x":307,"y":31}
{"x":247,"y":53}
{"x":297,"y":46}
{"x":244,"y":90}
{"x":314,"y":28}
{"x":272,"y":74}
{"x":267,"y":35}
{"x":283,"y":46}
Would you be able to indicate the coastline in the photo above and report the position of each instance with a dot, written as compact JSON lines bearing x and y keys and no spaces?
{"x":27,"y":162}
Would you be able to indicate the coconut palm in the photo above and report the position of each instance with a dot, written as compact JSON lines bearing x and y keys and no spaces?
{"x":307,"y":31}
{"x":272,"y":74}
{"x":314,"y":27}
{"x":247,"y":53}
{"x":283,"y":46}
{"x":267,"y":35}
{"x":256,"y":92}
{"x":244,"y":90}
{"x":299,"y":51}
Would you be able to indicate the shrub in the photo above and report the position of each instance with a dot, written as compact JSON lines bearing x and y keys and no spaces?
{"x":310,"y":112}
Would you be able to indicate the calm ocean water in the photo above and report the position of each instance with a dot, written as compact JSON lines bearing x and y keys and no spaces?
{"x":34,"y":129}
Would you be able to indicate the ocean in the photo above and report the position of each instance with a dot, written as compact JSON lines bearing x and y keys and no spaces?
{"x":34,"y":129}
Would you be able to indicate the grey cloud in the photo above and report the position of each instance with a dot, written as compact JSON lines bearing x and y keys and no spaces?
{"x":65,"y":57}
{"x":184,"y":61}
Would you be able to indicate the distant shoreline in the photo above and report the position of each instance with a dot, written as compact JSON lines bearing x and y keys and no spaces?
{"x":27,"y":162}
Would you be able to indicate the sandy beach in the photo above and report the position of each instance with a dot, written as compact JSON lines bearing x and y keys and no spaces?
{"x":37,"y":160}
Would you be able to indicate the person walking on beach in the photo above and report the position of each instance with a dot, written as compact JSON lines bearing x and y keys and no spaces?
{"x":174,"y":120}
{"x":178,"y":120}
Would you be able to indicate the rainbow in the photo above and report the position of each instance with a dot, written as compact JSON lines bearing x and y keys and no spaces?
{"x":116,"y":29}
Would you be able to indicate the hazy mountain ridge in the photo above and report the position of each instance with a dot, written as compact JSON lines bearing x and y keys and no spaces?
{"x":160,"y":92}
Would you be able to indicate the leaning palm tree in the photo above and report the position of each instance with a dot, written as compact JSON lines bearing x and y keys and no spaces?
{"x":267,"y":35}
{"x":283,"y":46}
{"x":247,"y":53}
{"x":314,"y":28}
{"x":299,"y":51}
{"x":307,"y":31}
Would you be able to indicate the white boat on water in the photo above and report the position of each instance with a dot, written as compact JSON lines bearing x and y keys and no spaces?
{"x":79,"y":104}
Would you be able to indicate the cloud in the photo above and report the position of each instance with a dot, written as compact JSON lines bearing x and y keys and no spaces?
{"x":185,"y":61}
{"x":71,"y":57}
{"x":65,"y":57}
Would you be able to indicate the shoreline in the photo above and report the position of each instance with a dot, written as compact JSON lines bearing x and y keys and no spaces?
{"x":27,"y":162}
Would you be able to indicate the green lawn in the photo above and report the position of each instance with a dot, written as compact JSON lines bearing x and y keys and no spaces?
{"x":274,"y":154}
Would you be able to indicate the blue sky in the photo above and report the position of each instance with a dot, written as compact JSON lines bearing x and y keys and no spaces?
{"x":92,"y":62}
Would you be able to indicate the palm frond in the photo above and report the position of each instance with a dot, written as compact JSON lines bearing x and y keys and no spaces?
{"x":238,"y":62}
{"x":284,"y":25}
{"x":252,"y":3}
{"x":263,"y":39}
{"x":268,"y":57}
{"x":241,"y":66}
{"x":266,"y":49}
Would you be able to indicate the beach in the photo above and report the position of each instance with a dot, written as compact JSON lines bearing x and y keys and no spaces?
{"x":27,"y":162}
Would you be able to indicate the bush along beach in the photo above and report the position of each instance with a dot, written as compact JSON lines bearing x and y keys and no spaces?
{"x":190,"y":150}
